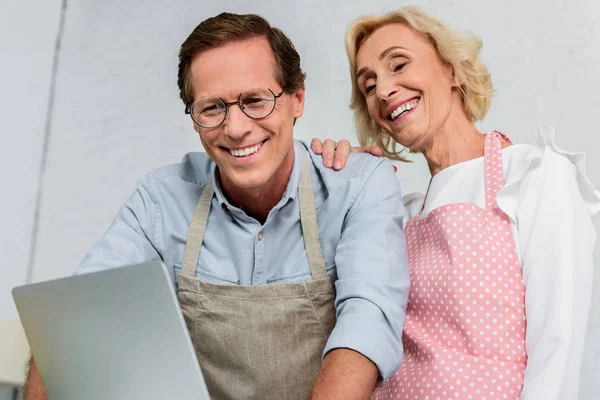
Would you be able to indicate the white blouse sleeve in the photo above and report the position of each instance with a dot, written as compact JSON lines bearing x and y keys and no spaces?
{"x":551,"y":203}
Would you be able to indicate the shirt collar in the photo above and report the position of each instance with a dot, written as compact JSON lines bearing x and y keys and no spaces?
{"x":291,"y":191}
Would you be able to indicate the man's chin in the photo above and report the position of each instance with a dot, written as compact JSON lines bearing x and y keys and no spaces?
{"x":248,"y":185}
{"x":247,"y":180}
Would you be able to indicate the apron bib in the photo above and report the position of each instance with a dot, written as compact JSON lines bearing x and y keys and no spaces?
{"x":259,"y":342}
{"x":464,"y":336}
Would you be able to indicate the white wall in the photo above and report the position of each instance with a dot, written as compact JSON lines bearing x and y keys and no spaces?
{"x":27,"y":48}
{"x":27,"y":41}
{"x":117,"y":114}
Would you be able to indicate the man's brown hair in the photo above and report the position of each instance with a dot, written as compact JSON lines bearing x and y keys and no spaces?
{"x":226,"y":28}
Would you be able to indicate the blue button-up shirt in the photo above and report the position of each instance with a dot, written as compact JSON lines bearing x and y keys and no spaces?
{"x":359,"y":213}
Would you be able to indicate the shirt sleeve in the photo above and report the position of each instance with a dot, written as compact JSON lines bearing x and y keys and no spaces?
{"x":130,"y":237}
{"x":556,"y":238}
{"x":373,"y":275}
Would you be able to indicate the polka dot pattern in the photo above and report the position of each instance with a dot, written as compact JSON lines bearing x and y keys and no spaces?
{"x":464,"y":336}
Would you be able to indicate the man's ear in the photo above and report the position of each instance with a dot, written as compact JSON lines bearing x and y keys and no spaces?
{"x":196,"y":127}
{"x":298,"y":99}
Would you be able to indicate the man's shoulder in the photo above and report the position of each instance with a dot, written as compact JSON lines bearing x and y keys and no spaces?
{"x":194,"y":168}
{"x":358,"y":167}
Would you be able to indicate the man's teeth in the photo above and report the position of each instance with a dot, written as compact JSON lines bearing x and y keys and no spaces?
{"x":404,"y":108}
{"x":245,"y":151}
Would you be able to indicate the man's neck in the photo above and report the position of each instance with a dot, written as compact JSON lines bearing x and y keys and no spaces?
{"x":258,"y":202}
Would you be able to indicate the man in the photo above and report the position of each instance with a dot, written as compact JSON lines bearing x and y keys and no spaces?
{"x":256,"y":231}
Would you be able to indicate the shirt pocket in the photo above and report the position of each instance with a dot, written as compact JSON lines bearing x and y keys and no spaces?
{"x":303,"y":276}
{"x":209,"y":277}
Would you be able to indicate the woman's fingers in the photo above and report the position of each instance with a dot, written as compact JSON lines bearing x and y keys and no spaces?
{"x":341,"y":154}
{"x":316,"y":145}
{"x":329,"y":146}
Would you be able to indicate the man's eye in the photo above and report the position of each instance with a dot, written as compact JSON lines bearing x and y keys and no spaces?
{"x":211,"y":109}
{"x":254,"y":100}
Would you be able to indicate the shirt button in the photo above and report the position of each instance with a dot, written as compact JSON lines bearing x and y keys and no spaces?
{"x":260,"y":235}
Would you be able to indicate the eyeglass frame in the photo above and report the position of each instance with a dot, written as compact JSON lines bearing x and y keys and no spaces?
{"x":188,"y":108}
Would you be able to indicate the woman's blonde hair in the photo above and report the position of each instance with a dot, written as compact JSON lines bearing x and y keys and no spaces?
{"x":461,"y":50}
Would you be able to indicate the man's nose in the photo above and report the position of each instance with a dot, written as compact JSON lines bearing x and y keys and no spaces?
{"x":236,"y":124}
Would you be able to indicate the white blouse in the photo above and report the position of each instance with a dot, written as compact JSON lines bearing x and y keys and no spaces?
{"x":549,"y":201}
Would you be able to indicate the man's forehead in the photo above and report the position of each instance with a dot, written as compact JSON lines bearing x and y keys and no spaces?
{"x":234,"y":67}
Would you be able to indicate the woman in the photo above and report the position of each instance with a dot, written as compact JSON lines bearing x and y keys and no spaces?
{"x":500,"y":248}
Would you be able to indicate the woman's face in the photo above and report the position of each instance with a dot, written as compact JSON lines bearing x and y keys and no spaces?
{"x":408,"y":89}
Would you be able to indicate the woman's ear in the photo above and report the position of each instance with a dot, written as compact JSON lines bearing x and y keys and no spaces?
{"x":456,"y":80}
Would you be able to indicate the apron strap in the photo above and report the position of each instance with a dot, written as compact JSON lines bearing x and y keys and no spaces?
{"x":308,"y":219}
{"x":493,"y":170}
{"x":191,"y":254}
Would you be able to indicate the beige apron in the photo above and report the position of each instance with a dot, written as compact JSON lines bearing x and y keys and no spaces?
{"x":259,"y":342}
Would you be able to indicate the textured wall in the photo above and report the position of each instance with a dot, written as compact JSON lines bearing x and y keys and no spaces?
{"x":27,"y":42}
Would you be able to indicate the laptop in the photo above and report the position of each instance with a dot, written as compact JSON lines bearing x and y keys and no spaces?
{"x":115,"y":334}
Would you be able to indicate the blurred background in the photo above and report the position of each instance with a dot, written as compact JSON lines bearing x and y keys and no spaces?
{"x":89,"y":104}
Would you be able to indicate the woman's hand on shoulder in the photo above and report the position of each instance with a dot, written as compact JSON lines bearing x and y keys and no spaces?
{"x":335,"y":153}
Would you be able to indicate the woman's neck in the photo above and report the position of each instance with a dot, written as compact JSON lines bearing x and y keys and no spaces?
{"x":456,"y":142}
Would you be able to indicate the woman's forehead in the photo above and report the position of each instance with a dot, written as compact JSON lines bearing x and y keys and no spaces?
{"x":396,"y":36}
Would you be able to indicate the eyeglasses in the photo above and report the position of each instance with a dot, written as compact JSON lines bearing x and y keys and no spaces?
{"x":210,"y":112}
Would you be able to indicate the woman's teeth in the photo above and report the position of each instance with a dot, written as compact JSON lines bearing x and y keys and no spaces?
{"x":245,"y":151}
{"x":404,"y":108}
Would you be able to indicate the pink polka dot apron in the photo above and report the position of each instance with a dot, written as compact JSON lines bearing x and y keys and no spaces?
{"x":464,"y":336}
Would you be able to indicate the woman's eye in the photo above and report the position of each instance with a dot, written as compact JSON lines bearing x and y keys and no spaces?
{"x":399,"y":67}
{"x":369,"y":89}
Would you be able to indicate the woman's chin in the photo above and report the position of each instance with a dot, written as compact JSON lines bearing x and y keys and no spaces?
{"x":408,"y":138}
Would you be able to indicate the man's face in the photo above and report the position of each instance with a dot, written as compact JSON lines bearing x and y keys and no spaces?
{"x":249,"y":152}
